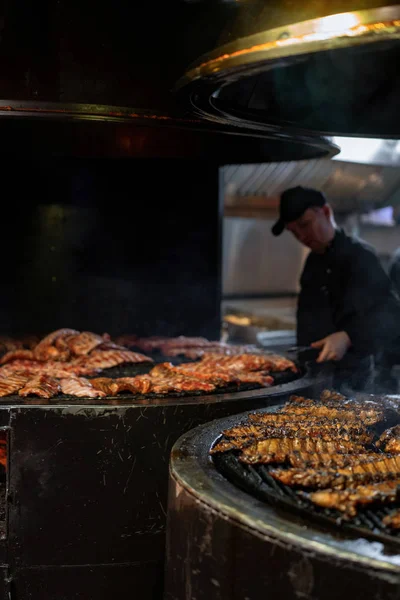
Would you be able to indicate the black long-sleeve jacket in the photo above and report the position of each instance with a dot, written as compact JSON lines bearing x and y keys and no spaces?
{"x":394,"y":271}
{"x":347,"y":289}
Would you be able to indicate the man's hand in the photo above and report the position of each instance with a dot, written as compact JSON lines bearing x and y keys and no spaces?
{"x":334,"y":346}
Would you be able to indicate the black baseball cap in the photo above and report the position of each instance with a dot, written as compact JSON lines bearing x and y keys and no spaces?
{"x":294,"y":202}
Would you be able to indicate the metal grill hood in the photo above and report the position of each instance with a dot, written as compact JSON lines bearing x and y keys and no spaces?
{"x":88,"y":78}
{"x":313,"y":67}
{"x":243,"y":81}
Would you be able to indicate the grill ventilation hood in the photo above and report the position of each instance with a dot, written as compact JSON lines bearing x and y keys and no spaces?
{"x":83,"y":78}
{"x":334,"y":73}
{"x":243,"y":81}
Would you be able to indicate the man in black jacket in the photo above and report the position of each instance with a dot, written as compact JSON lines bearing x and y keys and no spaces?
{"x":346,"y":308}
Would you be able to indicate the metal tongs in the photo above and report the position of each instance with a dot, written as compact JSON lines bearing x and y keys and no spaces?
{"x":300,"y":349}
{"x":304,"y":354}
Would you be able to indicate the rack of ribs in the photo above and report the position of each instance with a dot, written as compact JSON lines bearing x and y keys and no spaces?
{"x":195,"y":352}
{"x":80,"y":387}
{"x":163,"y":343}
{"x":98,"y":360}
{"x":278,"y":450}
{"x":332,"y":396}
{"x":165,"y":379}
{"x":392,"y":520}
{"x":306,"y":460}
{"x":326,"y":431}
{"x":347,"y":500}
{"x":41,"y":385}
{"x":368,"y":416}
{"x":332,"y":400}
{"x":13,"y":383}
{"x":389,"y":441}
{"x":232,"y":444}
{"x":219,"y":376}
{"x":358,"y":474}
{"x":249,"y":362}
{"x":287,"y":418}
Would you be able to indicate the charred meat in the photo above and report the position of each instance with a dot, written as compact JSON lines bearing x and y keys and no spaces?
{"x":278,"y":450}
{"x":21,"y":353}
{"x":249,"y":362}
{"x":80,"y":387}
{"x":324,"y":445}
{"x":389,"y":441}
{"x":42,"y":385}
{"x":164,"y":379}
{"x":84,"y":343}
{"x":46,"y":348}
{"x":232,"y":444}
{"x":163,"y":343}
{"x":346,"y":501}
{"x":350,"y":476}
{"x":140,"y":384}
{"x":282,"y":419}
{"x":102,"y":384}
{"x":98,"y":360}
{"x":392,"y":520}
{"x":13,"y":383}
{"x":368,"y":416}
{"x":326,"y":431}
{"x":211,"y":348}
{"x":306,"y":460}
{"x":332,"y":396}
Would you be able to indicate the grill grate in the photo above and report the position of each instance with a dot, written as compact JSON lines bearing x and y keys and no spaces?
{"x":256,"y":480}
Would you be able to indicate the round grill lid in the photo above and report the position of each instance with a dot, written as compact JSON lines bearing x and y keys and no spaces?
{"x":96,"y":79}
{"x":334,"y":73}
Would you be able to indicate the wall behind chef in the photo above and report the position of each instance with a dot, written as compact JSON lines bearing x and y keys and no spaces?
{"x":347,"y":308}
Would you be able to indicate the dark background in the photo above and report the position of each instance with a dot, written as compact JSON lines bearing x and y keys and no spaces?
{"x":120,"y":52}
{"x":111,"y":245}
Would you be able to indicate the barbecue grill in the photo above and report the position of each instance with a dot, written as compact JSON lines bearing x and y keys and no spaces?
{"x":85,"y":493}
{"x":248,"y":536}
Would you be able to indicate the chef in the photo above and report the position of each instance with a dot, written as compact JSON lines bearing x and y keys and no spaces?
{"x":347,"y":308}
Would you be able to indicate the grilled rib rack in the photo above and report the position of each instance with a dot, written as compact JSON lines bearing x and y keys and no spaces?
{"x":131,"y":370}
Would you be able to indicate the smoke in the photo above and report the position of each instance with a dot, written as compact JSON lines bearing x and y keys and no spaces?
{"x":369,"y":379}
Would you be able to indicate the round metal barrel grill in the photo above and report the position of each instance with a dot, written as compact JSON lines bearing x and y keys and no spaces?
{"x":248,"y":535}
